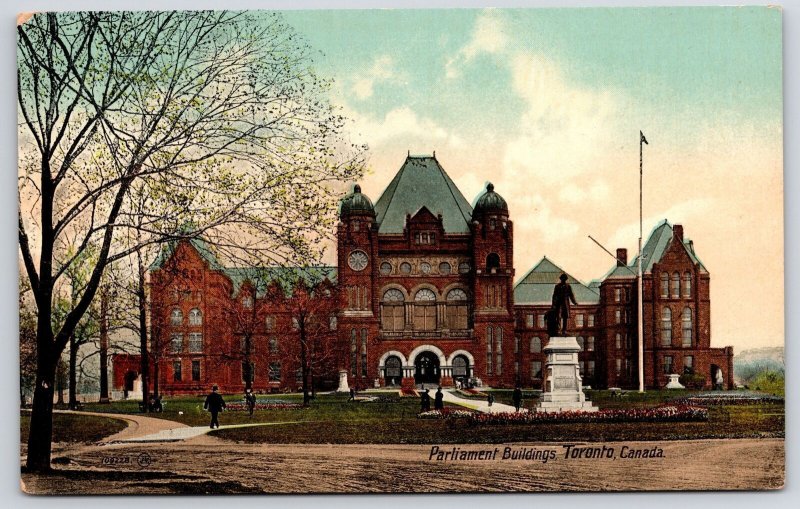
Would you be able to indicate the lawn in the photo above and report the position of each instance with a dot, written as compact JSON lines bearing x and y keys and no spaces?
{"x":75,"y":428}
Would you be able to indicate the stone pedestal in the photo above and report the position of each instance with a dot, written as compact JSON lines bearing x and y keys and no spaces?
{"x":562,"y":385}
{"x":343,"y":385}
{"x":674,"y":383}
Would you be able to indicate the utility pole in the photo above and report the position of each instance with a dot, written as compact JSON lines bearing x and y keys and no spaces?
{"x":642,"y":141}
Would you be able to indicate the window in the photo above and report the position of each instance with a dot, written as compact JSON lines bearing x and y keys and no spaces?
{"x":516,"y":344}
{"x":686,"y":327}
{"x":425,"y":310}
{"x":394,"y":368}
{"x":176,"y":317}
{"x":667,"y":365}
{"x":425,"y":238}
{"x":687,"y":284}
{"x":590,"y":369}
{"x":541,"y":323}
{"x":460,"y":366}
{"x":295,"y":323}
{"x":273,"y":345}
{"x":591,"y":320}
{"x":536,"y":369}
{"x":247,"y":302}
{"x":176,"y":343}
{"x":580,"y":343}
{"x":627,"y":294}
{"x":581,"y":367}
{"x":386,"y":268}
{"x":618,"y":316}
{"x":177,"y":376}
{"x":498,"y":341}
{"x":618,"y":367}
{"x":489,"y":357}
{"x":445,"y":268}
{"x":195,"y":342}
{"x":274,"y":372}
{"x":393,"y":310}
{"x":353,"y":352}
{"x":688,"y":365}
{"x":332,"y":322}
{"x":590,"y":344}
{"x":492,"y":263}
{"x":195,"y":371}
{"x":363,"y":352}
{"x":529,"y":320}
{"x":536,"y":345}
{"x":579,"y":320}
{"x":628,"y":369}
{"x":664,"y":285}
{"x":463,"y":268}
{"x":629,"y":340}
{"x":248,"y":372}
{"x":457,"y":309}
{"x":195,"y":317}
{"x":676,"y":285}
{"x":516,"y":368}
{"x":617,"y":294}
{"x":405,"y":268}
{"x":269,"y":322}
{"x":618,"y":341}
{"x":666,"y":327}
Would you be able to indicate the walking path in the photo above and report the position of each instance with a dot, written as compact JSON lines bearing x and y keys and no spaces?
{"x":475,"y":404}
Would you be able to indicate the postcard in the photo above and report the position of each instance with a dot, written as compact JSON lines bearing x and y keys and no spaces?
{"x":401,"y":251}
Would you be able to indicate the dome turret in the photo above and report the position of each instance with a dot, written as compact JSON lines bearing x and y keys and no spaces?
{"x":490,"y":202}
{"x":356,"y":203}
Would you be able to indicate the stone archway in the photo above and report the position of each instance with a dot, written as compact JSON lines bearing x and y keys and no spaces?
{"x":427,"y":368}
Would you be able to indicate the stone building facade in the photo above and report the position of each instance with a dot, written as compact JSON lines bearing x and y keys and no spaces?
{"x":423,"y":293}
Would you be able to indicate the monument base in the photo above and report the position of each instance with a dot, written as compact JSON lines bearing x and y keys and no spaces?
{"x":563,"y":383}
{"x":674,"y":382}
{"x":343,"y":385}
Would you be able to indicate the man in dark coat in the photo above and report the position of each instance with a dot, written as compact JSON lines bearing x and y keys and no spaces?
{"x":214,"y":404}
{"x":250,"y":400}
{"x":438,"y":400}
{"x":562,"y":297}
{"x":425,"y":401}
{"x":517,"y":398}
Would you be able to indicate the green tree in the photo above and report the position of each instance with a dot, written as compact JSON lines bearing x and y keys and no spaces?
{"x":133,"y":125}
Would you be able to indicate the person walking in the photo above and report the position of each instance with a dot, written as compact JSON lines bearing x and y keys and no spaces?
{"x":352,"y":394}
{"x":425,"y":401}
{"x":517,"y":397}
{"x":438,"y":400}
{"x":214,"y":404}
{"x":250,"y":400}
{"x":490,"y":399}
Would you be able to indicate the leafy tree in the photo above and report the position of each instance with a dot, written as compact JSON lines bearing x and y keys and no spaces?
{"x":133,"y":125}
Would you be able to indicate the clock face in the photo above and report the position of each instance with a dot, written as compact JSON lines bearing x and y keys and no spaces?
{"x":357,"y":260}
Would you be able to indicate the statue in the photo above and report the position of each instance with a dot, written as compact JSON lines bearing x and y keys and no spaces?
{"x":562,"y":296}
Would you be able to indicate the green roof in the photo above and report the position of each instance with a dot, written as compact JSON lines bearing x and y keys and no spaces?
{"x":422,"y":182}
{"x":537,"y":286}
{"x":656,"y":245}
{"x":286,"y":277}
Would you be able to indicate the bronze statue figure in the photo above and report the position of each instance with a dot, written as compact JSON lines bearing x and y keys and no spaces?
{"x":562,"y":296}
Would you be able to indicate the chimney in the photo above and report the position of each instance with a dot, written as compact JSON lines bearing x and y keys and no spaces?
{"x":677,"y":231}
{"x":622,"y":257}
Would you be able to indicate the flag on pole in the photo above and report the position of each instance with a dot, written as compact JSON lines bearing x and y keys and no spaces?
{"x":643,"y":139}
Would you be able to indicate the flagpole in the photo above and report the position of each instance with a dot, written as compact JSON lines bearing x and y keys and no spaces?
{"x":639,"y":258}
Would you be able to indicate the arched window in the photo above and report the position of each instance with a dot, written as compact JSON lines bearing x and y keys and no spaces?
{"x":363,"y":352}
{"x":457,"y":309}
{"x":353,"y":352}
{"x":664,"y":285}
{"x":686,"y":327}
{"x":425,"y":310}
{"x":393,"y":310}
{"x":176,"y":318}
{"x":687,"y":284}
{"x":498,"y":349}
{"x":195,"y":317}
{"x":460,"y":367}
{"x":666,"y":327}
{"x":489,"y":356}
{"x":393,"y":370}
{"x":492,"y":263}
{"x":676,"y":285}
{"x":536,"y":345}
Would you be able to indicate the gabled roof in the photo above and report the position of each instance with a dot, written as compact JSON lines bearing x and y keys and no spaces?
{"x":536,"y":287}
{"x":422,"y":182}
{"x":656,"y":245}
{"x":285,"y":277}
{"x":202,"y":248}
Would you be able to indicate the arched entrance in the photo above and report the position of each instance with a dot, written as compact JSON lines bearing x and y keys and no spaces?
{"x":130,"y":377}
{"x":461,"y":369}
{"x":427,"y":368}
{"x":393,"y":370}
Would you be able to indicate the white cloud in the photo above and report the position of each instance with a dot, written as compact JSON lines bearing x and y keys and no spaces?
{"x":688,"y":212}
{"x":382,"y":69}
{"x":488,"y":37}
{"x":596,"y":192}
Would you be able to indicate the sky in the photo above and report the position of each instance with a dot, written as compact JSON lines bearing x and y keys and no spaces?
{"x":547,"y":104}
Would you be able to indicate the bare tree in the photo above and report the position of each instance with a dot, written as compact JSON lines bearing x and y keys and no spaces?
{"x":216,"y":118}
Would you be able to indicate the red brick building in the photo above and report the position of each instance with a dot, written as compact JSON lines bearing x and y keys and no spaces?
{"x":423,"y":292}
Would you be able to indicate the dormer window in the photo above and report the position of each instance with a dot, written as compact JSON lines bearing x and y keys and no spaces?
{"x":425,"y":238}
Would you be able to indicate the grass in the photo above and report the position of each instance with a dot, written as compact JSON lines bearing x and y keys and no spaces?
{"x":75,"y":428}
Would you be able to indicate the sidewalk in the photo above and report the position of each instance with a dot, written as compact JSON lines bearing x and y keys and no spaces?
{"x":476,"y":404}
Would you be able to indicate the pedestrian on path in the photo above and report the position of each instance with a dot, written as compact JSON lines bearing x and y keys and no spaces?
{"x":517,"y":397}
{"x":352,"y":394}
{"x":250,"y":400}
{"x":438,"y":401}
{"x":214,"y":404}
{"x":490,"y":399}
{"x":425,"y":401}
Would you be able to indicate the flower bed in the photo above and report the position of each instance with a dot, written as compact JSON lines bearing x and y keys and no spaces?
{"x":408,"y":393}
{"x":241,"y":406}
{"x":445,"y":413}
{"x":665,"y":413}
{"x":726,"y":400}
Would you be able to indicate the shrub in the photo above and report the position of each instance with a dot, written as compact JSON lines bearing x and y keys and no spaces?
{"x":692,"y":381}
